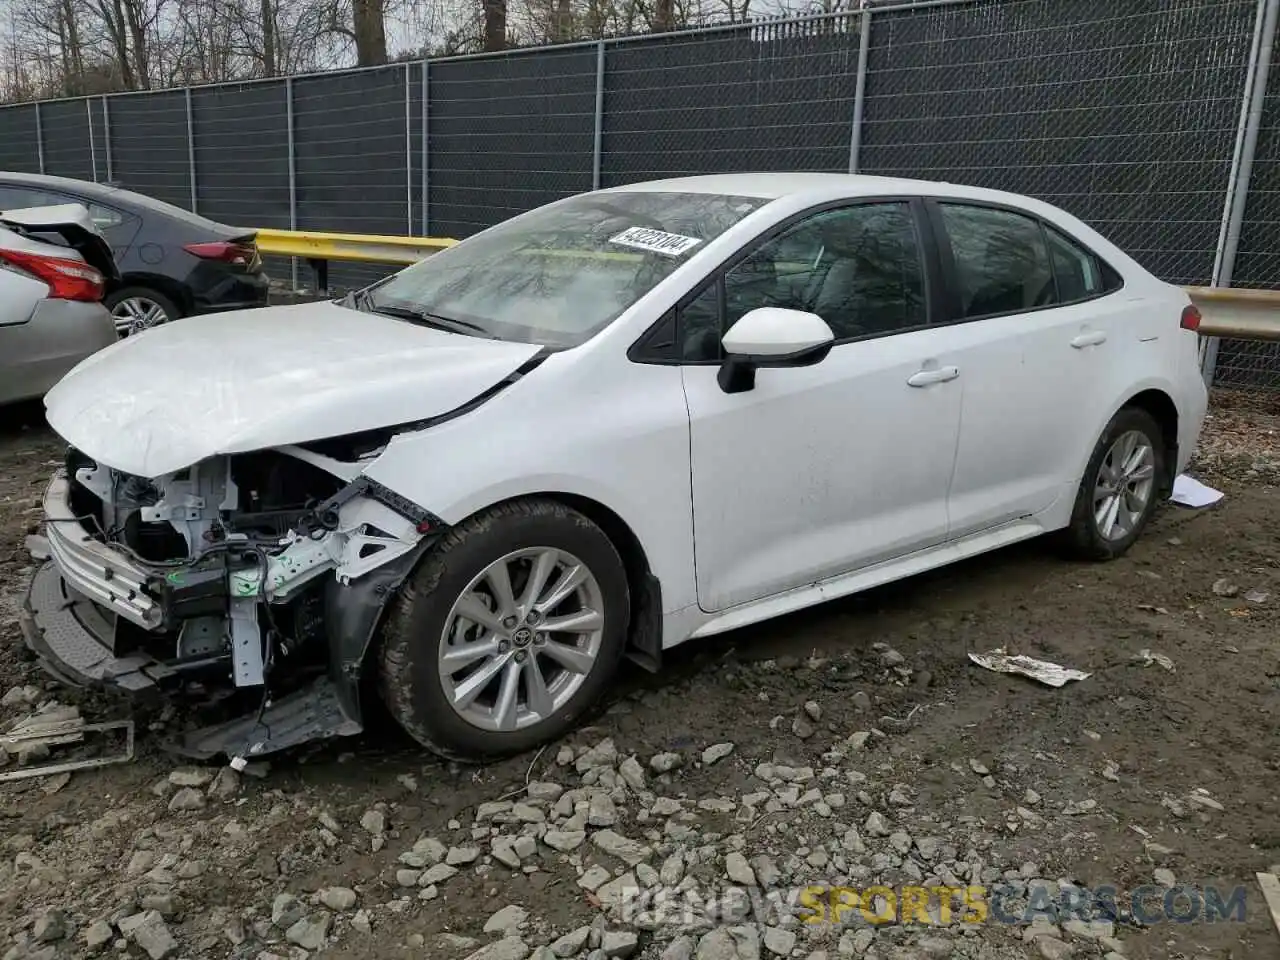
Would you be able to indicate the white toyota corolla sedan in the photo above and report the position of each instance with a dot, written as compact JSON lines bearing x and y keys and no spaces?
{"x":624,"y":420}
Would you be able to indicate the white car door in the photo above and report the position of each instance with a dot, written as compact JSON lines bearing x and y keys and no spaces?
{"x":820,"y":469}
{"x":1036,"y":345}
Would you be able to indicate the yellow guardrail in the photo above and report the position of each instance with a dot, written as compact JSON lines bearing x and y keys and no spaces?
{"x":319,"y":248}
{"x":1231,"y":312}
{"x":369,"y":248}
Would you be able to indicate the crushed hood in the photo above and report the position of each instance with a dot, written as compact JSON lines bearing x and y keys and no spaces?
{"x":173,"y":395}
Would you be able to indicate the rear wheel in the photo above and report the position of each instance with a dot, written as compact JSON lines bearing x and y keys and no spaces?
{"x":1120,"y":488}
{"x":510,"y":629}
{"x":138,"y":308}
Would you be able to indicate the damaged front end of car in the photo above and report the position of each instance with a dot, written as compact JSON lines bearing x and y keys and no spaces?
{"x":254,"y":582}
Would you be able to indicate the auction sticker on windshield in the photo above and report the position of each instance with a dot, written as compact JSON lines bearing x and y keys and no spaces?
{"x":655,"y":241}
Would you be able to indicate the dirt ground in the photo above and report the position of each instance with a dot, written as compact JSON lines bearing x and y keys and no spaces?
{"x":923,"y":768}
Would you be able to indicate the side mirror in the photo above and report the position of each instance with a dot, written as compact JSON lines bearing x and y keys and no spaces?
{"x":771,"y":337}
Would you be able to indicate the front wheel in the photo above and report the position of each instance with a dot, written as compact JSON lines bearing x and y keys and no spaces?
{"x":1120,"y":487}
{"x":510,"y":629}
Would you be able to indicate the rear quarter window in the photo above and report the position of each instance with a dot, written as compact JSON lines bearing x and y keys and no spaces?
{"x":105,"y":217}
{"x":1081,"y":274}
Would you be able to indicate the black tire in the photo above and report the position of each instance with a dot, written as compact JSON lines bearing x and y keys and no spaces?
{"x":1082,"y":539}
{"x":409,"y":675}
{"x":117,"y":297}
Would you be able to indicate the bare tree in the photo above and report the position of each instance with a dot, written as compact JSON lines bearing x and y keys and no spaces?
{"x":363,"y":23}
{"x":495,"y":24}
{"x":278,"y":37}
{"x":131,"y":31}
{"x":369,"y":20}
{"x":664,"y":16}
{"x":268,"y":12}
{"x":204,"y":43}
{"x":79,"y":47}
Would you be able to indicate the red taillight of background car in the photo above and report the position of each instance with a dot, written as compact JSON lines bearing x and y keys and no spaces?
{"x":1190,"y":317}
{"x":67,"y":279}
{"x":226,"y":251}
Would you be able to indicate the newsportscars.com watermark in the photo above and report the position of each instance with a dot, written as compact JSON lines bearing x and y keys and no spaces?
{"x":926,"y":906}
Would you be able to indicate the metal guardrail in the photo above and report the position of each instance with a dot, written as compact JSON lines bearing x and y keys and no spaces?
{"x":1232,"y":312}
{"x":319,"y":248}
{"x":1236,"y":313}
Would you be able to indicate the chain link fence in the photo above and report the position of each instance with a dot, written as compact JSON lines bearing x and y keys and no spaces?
{"x":1124,"y":114}
{"x":1127,"y":115}
{"x":507,"y":134}
{"x":776,"y":96}
{"x":1251,"y":363}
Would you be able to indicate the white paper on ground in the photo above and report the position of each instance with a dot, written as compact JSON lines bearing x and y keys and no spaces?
{"x":1047,"y":673}
{"x":1148,"y":658}
{"x":1190,"y":492}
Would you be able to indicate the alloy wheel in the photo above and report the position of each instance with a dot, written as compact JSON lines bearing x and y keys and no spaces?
{"x":520,"y":641}
{"x":1124,"y":485}
{"x":135,"y":314}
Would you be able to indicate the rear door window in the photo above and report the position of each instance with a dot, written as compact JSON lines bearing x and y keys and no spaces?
{"x":19,"y":198}
{"x":1001,"y":260}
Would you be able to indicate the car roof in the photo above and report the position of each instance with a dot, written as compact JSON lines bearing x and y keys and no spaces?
{"x":775,"y":186}
{"x":108,"y":194}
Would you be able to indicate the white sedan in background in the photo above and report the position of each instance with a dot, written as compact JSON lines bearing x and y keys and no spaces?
{"x":54,"y":270}
{"x":618,"y":422}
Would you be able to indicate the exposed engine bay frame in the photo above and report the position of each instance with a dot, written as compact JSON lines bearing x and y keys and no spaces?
{"x":230,"y":576}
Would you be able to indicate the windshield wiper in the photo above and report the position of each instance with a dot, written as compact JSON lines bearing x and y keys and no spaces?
{"x":428,"y":319}
{"x":356,"y":300}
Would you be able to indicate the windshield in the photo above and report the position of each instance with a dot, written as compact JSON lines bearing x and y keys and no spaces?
{"x":562,"y":273}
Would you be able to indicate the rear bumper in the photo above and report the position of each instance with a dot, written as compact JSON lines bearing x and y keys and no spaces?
{"x":217,"y":290}
{"x":1194,"y":406}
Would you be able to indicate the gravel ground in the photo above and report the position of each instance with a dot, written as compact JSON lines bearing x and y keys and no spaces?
{"x":849,"y":746}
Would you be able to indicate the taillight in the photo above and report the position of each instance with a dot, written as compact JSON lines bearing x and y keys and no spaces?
{"x":225,"y":251}
{"x":67,"y":279}
{"x":1190,"y":317}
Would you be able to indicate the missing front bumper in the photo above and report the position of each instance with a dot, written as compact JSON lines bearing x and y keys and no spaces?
{"x":93,"y":569}
{"x":71,"y":638}
{"x":98,"y":614}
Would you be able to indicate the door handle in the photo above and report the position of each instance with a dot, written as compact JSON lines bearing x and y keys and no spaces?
{"x":923,"y":378}
{"x":1090,"y":339}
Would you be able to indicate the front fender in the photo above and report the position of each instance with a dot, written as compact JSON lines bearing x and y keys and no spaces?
{"x":653,"y":538}
{"x":621,"y":441}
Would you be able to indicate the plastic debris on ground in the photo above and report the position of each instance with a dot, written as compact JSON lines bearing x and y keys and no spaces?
{"x":1190,"y":492}
{"x":1270,"y":885}
{"x":1050,"y":674}
{"x":32,"y":738}
{"x":1148,"y":658}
